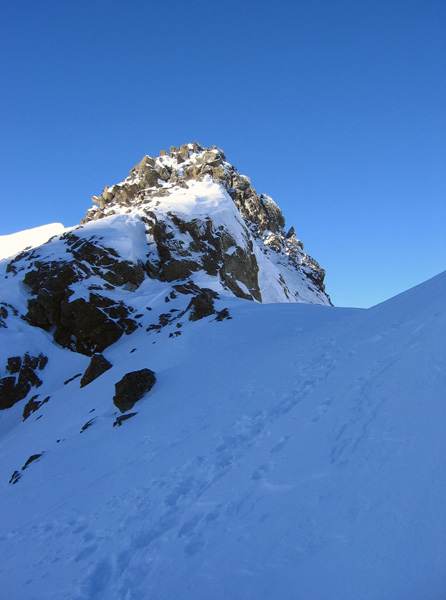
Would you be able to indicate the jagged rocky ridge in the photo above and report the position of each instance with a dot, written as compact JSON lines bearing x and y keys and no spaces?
{"x":152,"y":179}
{"x":183,"y":229}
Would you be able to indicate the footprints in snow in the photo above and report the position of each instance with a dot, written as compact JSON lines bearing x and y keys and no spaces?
{"x":174,"y":509}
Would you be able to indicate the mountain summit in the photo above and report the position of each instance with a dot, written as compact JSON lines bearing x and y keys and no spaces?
{"x":202,"y":216}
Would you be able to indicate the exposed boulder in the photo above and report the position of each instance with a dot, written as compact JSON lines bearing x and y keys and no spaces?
{"x":88,"y":424}
{"x":3,"y":316}
{"x":223,"y":314}
{"x":132,"y":387}
{"x":98,"y":365}
{"x":14,"y":477}
{"x":72,"y":378}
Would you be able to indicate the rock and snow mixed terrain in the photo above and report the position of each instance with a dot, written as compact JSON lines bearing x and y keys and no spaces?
{"x":165,"y":436}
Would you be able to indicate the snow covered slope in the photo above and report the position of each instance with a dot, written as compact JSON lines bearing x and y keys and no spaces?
{"x":291,"y":451}
{"x":29,"y":238}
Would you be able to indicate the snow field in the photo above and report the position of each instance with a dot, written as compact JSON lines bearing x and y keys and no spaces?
{"x":291,"y":452}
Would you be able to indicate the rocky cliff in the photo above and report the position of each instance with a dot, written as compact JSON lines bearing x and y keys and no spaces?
{"x":154,"y":179}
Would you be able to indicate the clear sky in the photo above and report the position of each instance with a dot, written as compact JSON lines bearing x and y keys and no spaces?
{"x":336,"y":109}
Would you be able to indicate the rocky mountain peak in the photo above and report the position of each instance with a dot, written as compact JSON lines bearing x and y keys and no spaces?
{"x":153,"y":179}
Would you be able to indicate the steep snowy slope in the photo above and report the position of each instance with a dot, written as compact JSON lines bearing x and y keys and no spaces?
{"x":291,"y":451}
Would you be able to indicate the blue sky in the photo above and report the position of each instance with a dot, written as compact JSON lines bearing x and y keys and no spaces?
{"x":334,"y":108}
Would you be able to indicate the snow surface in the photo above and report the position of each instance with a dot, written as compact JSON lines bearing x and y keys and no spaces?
{"x":29,"y":238}
{"x":292,"y":452}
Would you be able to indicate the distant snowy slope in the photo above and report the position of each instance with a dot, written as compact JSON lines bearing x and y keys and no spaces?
{"x":29,"y":238}
{"x":293,"y":451}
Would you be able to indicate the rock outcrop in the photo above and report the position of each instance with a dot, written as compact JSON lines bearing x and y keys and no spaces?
{"x":98,"y":365}
{"x":132,"y":387}
{"x":202,"y":305}
{"x":32,"y":405}
{"x":23,"y":376}
{"x":85,"y":324}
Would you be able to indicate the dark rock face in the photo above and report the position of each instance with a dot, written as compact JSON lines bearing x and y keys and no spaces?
{"x":93,"y":325}
{"x":98,"y":365}
{"x":23,"y":376}
{"x":202,"y":305}
{"x":50,"y":284}
{"x":176,"y":261}
{"x":5,"y":311}
{"x":132,"y":387}
{"x":104,"y":262}
{"x":207,"y":250}
{"x":81,"y":325}
{"x":33,"y":405}
{"x":87,"y":324}
{"x":32,"y":459}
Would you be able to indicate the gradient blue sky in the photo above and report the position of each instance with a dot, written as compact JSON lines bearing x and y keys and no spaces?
{"x":334,"y":108}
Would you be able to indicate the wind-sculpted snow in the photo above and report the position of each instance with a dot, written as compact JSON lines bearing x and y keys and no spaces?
{"x":292,"y":452}
{"x":29,"y":238}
